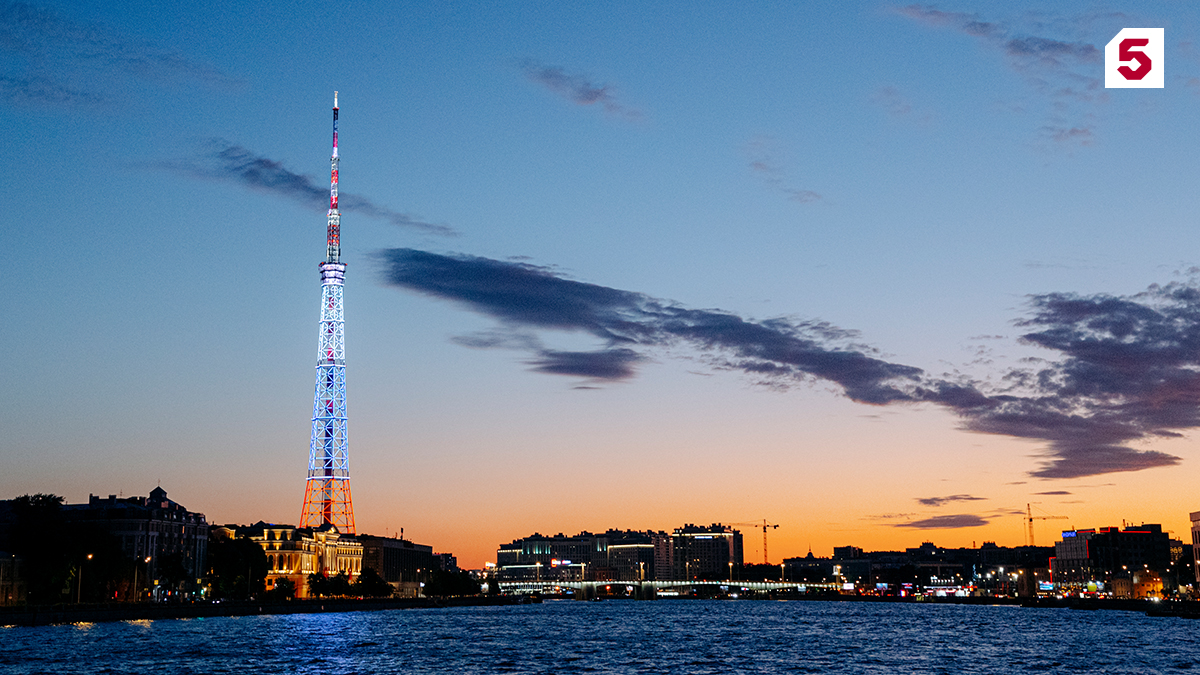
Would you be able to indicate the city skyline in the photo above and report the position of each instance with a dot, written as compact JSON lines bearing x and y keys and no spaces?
{"x":880,"y":273}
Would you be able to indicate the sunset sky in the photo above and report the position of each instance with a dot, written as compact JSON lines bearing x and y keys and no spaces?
{"x":879,"y":273}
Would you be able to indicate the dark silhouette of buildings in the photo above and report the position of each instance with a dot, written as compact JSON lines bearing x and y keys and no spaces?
{"x":615,"y":555}
{"x":132,"y":547}
{"x":400,"y":562}
{"x":622,"y":555}
{"x":153,"y":527}
{"x":930,"y":569}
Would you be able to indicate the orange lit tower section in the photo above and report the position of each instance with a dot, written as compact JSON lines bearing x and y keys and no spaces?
{"x":327,"y":490}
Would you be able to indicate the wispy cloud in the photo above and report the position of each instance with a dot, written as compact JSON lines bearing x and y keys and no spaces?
{"x":222,"y":160}
{"x":939,"y":501}
{"x":40,"y":90}
{"x":1053,"y":493}
{"x":1126,"y":372}
{"x":948,"y":522}
{"x":897,"y":104}
{"x":577,"y":88}
{"x":61,"y":62}
{"x":763,"y":154}
{"x":1062,"y":70}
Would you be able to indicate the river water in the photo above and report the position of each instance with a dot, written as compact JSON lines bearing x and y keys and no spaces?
{"x":664,"y":636}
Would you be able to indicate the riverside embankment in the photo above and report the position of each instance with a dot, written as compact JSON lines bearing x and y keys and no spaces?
{"x":94,"y":613}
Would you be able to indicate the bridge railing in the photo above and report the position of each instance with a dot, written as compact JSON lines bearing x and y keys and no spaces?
{"x":650,"y":589}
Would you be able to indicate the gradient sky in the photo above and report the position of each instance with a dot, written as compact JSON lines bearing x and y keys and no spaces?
{"x":880,"y":273}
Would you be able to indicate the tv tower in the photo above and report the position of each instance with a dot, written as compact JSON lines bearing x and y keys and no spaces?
{"x":327,"y":490}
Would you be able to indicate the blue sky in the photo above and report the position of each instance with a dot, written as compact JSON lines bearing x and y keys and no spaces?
{"x":921,"y":175}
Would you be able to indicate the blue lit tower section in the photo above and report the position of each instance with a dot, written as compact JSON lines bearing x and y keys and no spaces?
{"x":327,"y":490}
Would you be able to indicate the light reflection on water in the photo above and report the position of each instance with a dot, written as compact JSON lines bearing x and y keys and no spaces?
{"x":665,"y":636}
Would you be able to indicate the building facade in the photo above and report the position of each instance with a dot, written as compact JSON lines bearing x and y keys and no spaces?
{"x":1195,"y":517}
{"x":294,"y":553}
{"x":705,"y":552}
{"x":151,"y":530}
{"x":1098,"y":560}
{"x":12,"y":582}
{"x":402,"y":563}
{"x":615,"y":555}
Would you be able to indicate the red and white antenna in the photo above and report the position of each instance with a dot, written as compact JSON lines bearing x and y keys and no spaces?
{"x":334,"y":237}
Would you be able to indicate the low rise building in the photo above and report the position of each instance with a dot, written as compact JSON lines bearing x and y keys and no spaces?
{"x":447,"y":562}
{"x":294,"y":553}
{"x":12,"y":582}
{"x":400,"y":562}
{"x":154,"y":531}
{"x":930,"y":569}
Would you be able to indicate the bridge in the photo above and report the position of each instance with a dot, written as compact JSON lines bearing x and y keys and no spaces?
{"x":649,"y":590}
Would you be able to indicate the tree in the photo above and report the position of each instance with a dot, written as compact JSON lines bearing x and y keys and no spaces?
{"x":340,"y":585}
{"x":442,"y":584}
{"x":369,"y":584}
{"x":39,"y":537}
{"x":321,"y":585}
{"x":237,"y":568}
{"x":285,"y":589}
{"x":318,"y":585}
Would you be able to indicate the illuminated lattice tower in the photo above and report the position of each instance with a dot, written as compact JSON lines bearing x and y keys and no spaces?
{"x":327,"y":490}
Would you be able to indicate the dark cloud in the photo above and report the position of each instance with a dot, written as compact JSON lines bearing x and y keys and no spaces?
{"x":1126,"y":370}
{"x":1129,"y":371}
{"x":226,"y":161}
{"x":1062,"y":71}
{"x":58,"y":61}
{"x":888,"y":516}
{"x":528,"y":296}
{"x":1052,"y":493}
{"x":939,"y":501}
{"x":948,"y":522}
{"x":606,"y":364}
{"x":576,"y":88}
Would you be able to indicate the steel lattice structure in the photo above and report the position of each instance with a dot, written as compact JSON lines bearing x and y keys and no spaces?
{"x":327,"y":490}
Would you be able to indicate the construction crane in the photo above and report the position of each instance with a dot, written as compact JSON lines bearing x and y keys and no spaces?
{"x":764,"y":525}
{"x":1029,"y":518}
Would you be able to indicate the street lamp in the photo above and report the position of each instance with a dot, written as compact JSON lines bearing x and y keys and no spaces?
{"x":136,"y":595}
{"x":731,"y":571}
{"x":79,"y":589}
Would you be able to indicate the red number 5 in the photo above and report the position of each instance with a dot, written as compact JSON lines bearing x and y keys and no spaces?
{"x":1127,"y":54}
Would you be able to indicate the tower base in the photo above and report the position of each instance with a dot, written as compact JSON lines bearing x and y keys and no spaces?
{"x":327,"y":502}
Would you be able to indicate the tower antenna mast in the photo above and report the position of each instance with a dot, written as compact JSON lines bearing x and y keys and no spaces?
{"x":327,"y":490}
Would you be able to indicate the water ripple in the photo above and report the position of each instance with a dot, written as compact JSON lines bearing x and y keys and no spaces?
{"x":665,"y":636}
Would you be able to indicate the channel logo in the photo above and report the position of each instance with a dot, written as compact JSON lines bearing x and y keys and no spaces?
{"x":1134,"y":59}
